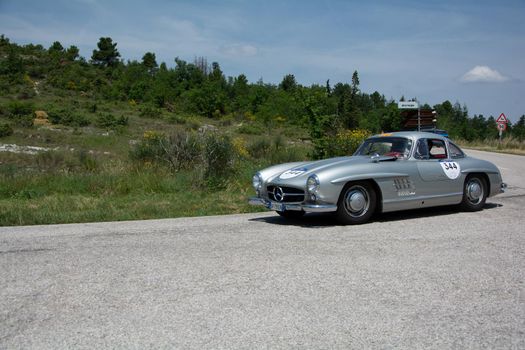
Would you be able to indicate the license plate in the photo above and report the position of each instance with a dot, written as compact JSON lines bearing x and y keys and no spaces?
{"x":276,"y":206}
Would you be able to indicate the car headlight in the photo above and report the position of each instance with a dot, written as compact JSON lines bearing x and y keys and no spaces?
{"x":312,"y":184}
{"x":257,"y":181}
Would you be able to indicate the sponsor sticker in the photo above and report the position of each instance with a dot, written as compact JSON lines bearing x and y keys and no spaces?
{"x":291,"y":173}
{"x":451,"y":169}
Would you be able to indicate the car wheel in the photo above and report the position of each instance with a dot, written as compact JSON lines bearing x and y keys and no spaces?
{"x":291,"y":214}
{"x":474,"y":193}
{"x":357,"y":203}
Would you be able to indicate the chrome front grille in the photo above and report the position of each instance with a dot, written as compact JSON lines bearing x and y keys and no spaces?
{"x":285,"y":194}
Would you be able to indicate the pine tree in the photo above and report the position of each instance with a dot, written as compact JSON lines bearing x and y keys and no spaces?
{"x":107,"y":54}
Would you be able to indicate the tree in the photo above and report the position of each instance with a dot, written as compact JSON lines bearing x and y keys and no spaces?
{"x":216,"y":73}
{"x":240,"y":93}
{"x":107,"y":54}
{"x":519,"y":129}
{"x":56,"y":47}
{"x":202,"y":64}
{"x":56,"y":51}
{"x":328,"y":88}
{"x":288,"y":83}
{"x":348,"y":111}
{"x":149,"y":61}
{"x":13,"y":65}
{"x":378,"y":100}
{"x":4,"y":41}
{"x":72,"y":53}
{"x":355,"y":83}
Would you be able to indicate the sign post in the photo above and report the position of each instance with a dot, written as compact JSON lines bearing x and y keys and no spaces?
{"x":501,"y":124}
{"x":411,"y":105}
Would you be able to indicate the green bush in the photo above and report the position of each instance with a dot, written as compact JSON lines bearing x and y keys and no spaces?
{"x":20,"y":112}
{"x":176,"y":119}
{"x":212,"y":156}
{"x":259,"y":148}
{"x":219,"y":158}
{"x":19,"y":108}
{"x":183,"y":150}
{"x":5,"y":130}
{"x":149,"y":149}
{"x":51,"y":161}
{"x":150,"y":111}
{"x":346,"y":142}
{"x":109,"y":121}
{"x":250,"y":129}
{"x":68,"y":118}
{"x":87,"y":161}
{"x":276,"y":150}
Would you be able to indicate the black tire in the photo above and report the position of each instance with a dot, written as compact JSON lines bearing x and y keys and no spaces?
{"x":291,"y":214}
{"x":475,"y":193}
{"x":357,"y":203}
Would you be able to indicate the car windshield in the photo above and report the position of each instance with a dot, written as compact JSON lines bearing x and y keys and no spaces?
{"x":385,"y":146}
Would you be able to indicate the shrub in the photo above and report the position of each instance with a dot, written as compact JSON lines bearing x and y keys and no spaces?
{"x":20,"y":112}
{"x":250,"y":129}
{"x":18,"y":108}
{"x":5,"y":130}
{"x":288,"y":154}
{"x":149,"y":148}
{"x":109,"y":121}
{"x":346,"y":142}
{"x":150,"y":111}
{"x":276,"y":150}
{"x":68,"y":118}
{"x":219,"y":158}
{"x":176,"y":119}
{"x":259,"y":148}
{"x":212,"y":156}
{"x":182,"y":150}
{"x":25,"y":121}
{"x":239,"y":144}
{"x":52,"y":161}
{"x":88,"y":161}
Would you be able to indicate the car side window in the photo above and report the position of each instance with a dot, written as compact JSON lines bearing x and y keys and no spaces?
{"x":430,"y":149}
{"x":455,"y":151}
{"x":436,"y":149}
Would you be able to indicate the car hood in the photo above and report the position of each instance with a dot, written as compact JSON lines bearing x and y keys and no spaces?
{"x":295,"y":174}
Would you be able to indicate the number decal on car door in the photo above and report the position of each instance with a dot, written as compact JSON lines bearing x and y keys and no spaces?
{"x":451,"y":169}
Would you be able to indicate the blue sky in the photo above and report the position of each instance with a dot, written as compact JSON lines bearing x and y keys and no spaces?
{"x":467,"y":51}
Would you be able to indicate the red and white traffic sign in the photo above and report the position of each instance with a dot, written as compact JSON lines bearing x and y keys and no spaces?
{"x":502,"y":126}
{"x":502,"y":119}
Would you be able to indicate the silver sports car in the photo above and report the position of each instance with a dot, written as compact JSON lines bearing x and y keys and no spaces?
{"x":388,"y":172}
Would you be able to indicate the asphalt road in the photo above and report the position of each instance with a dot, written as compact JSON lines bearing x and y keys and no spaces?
{"x":433,"y":279}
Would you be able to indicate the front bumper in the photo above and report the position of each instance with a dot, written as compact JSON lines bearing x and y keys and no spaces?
{"x":503,"y":187}
{"x":309,"y":208}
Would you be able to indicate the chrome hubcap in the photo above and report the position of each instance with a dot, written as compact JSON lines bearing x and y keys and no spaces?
{"x":357,"y":201}
{"x":474,"y":191}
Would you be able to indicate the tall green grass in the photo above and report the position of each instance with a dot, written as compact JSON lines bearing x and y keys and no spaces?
{"x":506,"y":145}
{"x":129,"y":194}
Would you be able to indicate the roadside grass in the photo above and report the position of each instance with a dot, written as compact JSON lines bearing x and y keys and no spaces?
{"x":26,"y":199}
{"x":508,"y":145}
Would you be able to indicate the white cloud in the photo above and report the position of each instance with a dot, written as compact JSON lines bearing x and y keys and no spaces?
{"x":483,"y":74}
{"x":239,"y":50}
